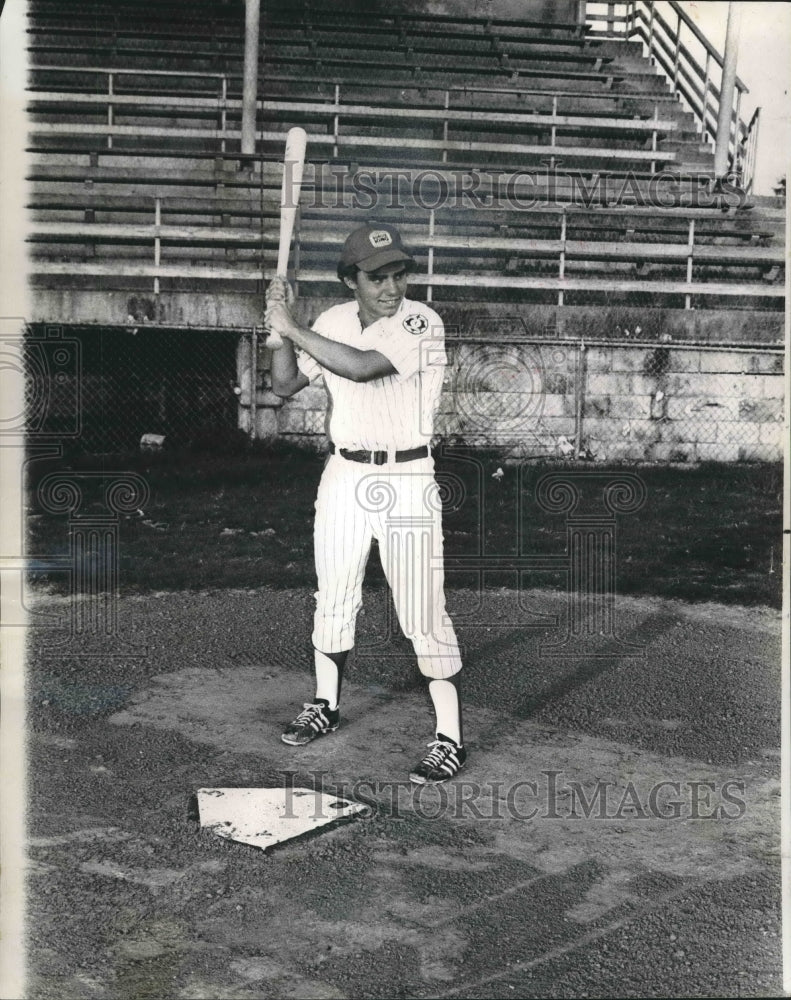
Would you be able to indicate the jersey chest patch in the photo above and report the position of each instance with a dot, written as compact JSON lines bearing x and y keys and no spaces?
{"x":416,"y":323}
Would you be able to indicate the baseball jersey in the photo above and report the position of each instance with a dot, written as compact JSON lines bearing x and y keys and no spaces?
{"x":396,"y":411}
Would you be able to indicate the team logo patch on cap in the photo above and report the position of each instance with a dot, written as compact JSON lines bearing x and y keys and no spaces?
{"x":380,"y":238}
{"x":416,"y":323}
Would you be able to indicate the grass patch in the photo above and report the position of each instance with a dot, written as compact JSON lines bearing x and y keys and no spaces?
{"x":245,"y":519}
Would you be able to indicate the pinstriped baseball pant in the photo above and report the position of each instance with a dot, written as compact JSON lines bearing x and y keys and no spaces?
{"x":398,"y":504}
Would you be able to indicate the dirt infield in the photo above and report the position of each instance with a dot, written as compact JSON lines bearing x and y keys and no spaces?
{"x":615,"y":832}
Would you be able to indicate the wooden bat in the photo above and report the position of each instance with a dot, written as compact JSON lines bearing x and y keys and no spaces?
{"x":293,"y":168}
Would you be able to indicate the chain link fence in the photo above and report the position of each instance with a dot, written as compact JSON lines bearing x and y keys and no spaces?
{"x":683,"y":403}
{"x":110,"y":390}
{"x":616,"y":402}
{"x":105,"y":390}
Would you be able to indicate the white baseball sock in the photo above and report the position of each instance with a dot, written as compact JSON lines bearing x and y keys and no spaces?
{"x":446,"y":706}
{"x":327,"y":678}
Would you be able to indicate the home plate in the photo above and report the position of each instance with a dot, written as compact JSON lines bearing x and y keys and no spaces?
{"x":264,"y":817}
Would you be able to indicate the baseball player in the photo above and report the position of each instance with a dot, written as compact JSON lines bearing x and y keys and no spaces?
{"x":382,"y":358}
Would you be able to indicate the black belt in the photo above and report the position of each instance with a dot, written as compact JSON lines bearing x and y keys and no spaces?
{"x":380,"y":457}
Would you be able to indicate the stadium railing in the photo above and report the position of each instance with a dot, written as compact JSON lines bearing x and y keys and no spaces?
{"x":158,"y":150}
{"x":690,"y":63}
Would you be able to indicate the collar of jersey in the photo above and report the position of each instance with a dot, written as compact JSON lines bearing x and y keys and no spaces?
{"x":381,"y":318}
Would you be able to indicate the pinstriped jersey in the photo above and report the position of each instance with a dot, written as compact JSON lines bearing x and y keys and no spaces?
{"x":396,"y":411}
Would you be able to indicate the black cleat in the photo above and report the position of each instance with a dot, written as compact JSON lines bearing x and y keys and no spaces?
{"x":444,"y":760}
{"x":317,"y":719}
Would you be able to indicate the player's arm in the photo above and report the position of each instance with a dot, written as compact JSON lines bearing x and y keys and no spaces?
{"x":287,"y":379}
{"x":342,"y":359}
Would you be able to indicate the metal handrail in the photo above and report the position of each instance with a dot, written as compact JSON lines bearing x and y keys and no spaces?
{"x":747,"y":151}
{"x":689,"y":23}
{"x":690,"y":80}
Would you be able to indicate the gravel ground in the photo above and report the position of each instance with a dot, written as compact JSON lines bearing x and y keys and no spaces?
{"x":129,"y":898}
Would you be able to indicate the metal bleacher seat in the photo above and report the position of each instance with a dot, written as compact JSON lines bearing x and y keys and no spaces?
{"x":137,"y":174}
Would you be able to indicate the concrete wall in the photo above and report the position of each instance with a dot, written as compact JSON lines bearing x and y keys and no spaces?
{"x":515,"y":382}
{"x":628,"y":403}
{"x":664,"y":404}
{"x":496,"y":321}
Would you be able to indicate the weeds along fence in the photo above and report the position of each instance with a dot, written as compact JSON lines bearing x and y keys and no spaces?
{"x":101,"y":391}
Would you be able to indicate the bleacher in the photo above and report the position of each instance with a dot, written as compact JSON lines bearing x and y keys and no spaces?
{"x":526,"y":162}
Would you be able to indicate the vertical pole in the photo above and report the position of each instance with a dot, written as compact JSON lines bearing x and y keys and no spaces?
{"x":253,"y":383}
{"x":250,"y":86}
{"x":725,"y":110}
{"x":224,"y":112}
{"x":651,"y":31}
{"x":737,"y":135}
{"x":336,"y":121}
{"x":445,"y":130}
{"x":110,"y":109}
{"x":430,"y":270}
{"x":157,"y":241}
{"x":562,"y":262}
{"x":579,"y":409}
{"x":749,"y":171}
{"x":690,"y":251}
{"x":706,"y":87}
{"x":654,"y":145}
{"x":554,"y":132}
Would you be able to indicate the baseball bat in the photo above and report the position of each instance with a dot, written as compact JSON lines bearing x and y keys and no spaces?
{"x":293,"y":169}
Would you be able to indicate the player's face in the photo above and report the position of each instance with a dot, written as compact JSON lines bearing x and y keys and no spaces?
{"x":379,"y":293}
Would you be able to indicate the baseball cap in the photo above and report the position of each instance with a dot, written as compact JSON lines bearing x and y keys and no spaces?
{"x":372,"y":246}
